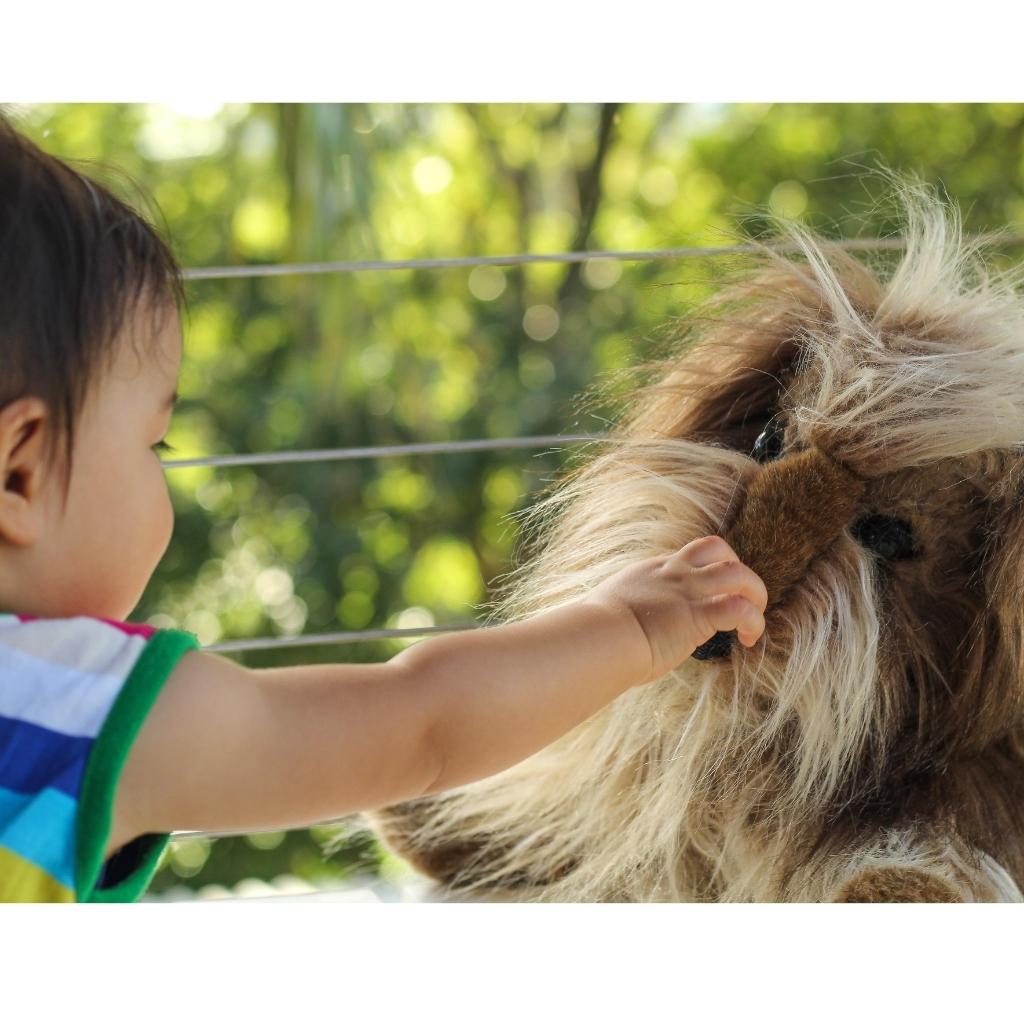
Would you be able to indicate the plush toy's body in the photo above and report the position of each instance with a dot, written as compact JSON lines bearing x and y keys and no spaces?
{"x":857,"y":440}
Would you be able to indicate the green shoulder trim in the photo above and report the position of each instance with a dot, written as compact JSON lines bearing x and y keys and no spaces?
{"x":103,"y":771}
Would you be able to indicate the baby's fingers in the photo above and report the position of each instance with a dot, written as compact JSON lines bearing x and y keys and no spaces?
{"x":724,"y":612}
{"x":705,"y":551}
{"x":730,"y":577}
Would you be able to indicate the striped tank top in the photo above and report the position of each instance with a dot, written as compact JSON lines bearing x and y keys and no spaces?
{"x":73,"y":694}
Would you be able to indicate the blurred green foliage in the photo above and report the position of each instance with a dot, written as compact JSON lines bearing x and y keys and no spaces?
{"x":378,"y":358}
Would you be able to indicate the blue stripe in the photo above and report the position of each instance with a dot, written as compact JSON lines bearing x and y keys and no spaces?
{"x":32,"y":758}
{"x":41,"y":828}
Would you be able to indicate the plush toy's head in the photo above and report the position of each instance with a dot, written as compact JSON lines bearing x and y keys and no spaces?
{"x":856,"y":436}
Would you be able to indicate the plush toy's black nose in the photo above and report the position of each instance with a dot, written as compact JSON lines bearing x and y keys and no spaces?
{"x":717,"y":647}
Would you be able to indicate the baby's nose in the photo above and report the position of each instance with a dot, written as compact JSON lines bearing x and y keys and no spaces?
{"x":794,"y":508}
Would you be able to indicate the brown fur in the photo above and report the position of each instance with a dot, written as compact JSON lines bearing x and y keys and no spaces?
{"x":897,"y":885}
{"x":870,"y":747}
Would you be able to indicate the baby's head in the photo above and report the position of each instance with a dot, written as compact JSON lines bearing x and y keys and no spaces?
{"x":90,"y":346}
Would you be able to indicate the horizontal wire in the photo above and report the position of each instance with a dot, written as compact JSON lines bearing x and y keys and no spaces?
{"x":198,"y":834}
{"x":311,"y":639}
{"x":381,"y":451}
{"x":519,"y":259}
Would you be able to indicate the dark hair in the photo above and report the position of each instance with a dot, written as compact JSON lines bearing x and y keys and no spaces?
{"x":75,"y":261}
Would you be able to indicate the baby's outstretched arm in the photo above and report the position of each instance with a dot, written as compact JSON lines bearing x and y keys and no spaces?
{"x":230,"y":748}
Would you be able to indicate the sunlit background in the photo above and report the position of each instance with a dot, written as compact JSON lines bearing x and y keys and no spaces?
{"x":378,"y":358}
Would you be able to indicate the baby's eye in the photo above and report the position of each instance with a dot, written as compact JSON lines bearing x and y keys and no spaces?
{"x":162,"y":446}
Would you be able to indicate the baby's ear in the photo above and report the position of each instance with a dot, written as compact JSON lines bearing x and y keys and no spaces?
{"x":23,"y":468}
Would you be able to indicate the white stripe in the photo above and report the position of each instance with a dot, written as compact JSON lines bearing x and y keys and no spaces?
{"x":86,"y":644}
{"x":57,"y":696}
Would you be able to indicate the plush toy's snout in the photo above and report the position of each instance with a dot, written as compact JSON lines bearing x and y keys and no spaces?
{"x":793,"y":510}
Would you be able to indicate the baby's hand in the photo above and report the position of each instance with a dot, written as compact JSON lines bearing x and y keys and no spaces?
{"x":681,"y":600}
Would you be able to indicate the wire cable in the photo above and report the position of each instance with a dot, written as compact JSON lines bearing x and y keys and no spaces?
{"x":381,"y":451}
{"x":312,"y":639}
{"x":520,"y":259}
{"x":515,"y":260}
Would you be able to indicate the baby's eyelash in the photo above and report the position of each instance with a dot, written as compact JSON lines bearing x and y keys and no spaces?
{"x":163,"y":446}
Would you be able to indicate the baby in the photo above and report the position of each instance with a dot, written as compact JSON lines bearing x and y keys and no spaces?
{"x":114,"y":734}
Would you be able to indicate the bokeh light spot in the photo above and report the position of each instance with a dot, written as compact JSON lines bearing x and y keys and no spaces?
{"x":788,"y":199}
{"x":486,"y":283}
{"x":541,"y":322}
{"x":601,"y":273}
{"x":431,"y":175}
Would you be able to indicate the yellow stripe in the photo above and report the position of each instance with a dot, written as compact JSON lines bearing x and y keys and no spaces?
{"x":21,"y":881}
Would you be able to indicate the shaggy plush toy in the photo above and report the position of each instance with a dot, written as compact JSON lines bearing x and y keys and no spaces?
{"x":856,"y":437}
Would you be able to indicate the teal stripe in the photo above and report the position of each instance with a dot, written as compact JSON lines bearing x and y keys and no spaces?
{"x":41,"y":828}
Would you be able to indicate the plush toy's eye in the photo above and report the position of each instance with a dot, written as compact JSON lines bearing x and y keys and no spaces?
{"x":887,"y":536}
{"x":768,"y":445}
